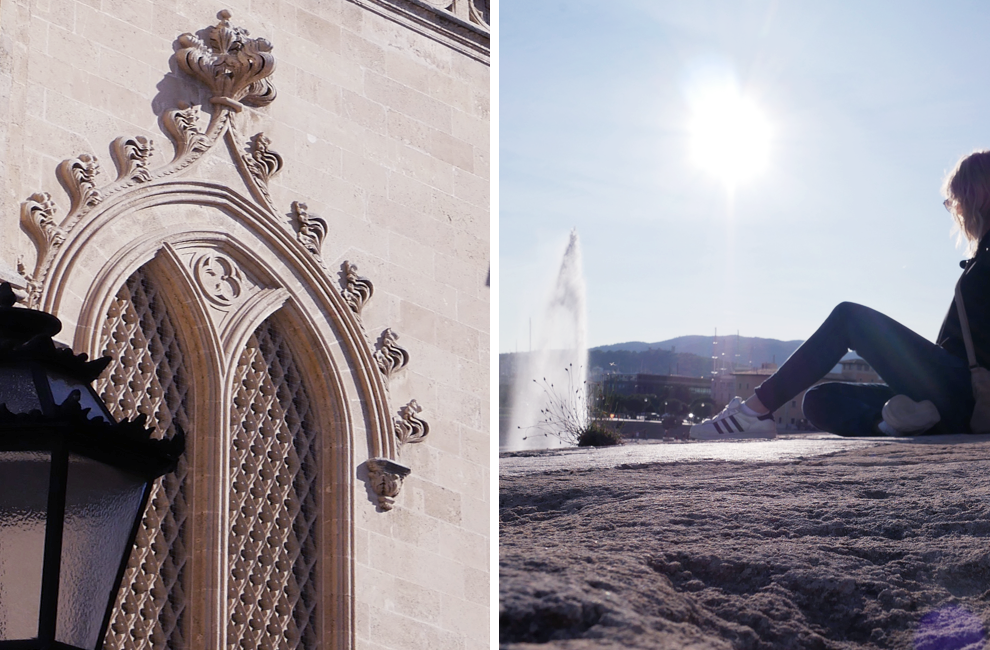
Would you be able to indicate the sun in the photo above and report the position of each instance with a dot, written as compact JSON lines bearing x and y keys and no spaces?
{"x":729,"y":135}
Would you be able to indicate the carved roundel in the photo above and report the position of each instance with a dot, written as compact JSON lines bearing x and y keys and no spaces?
{"x":219,"y":278}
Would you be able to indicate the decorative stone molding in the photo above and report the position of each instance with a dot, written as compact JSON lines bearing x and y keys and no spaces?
{"x":131,"y":155}
{"x":386,"y":480}
{"x":357,"y":290}
{"x":474,"y":11}
{"x":79,"y":177}
{"x":312,"y":229}
{"x":218,"y":278}
{"x":480,"y":13}
{"x":409,"y":428}
{"x":460,"y":24}
{"x":234,"y":67}
{"x":391,"y":357}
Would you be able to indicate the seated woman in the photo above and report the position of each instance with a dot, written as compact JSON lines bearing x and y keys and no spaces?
{"x":927,"y":388}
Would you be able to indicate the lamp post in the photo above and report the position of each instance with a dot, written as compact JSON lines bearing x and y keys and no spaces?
{"x":74,"y":483}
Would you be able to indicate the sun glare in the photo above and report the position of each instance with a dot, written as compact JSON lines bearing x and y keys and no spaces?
{"x":730,"y":136}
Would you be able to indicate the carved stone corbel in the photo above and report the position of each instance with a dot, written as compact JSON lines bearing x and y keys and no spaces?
{"x":386,"y":480}
{"x":131,"y":155}
{"x":312,"y":229}
{"x":357,"y":290}
{"x":235,"y":68}
{"x":390,"y":356}
{"x":79,"y":177}
{"x":409,"y":428}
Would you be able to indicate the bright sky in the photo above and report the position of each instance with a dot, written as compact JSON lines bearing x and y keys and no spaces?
{"x":842,"y":119}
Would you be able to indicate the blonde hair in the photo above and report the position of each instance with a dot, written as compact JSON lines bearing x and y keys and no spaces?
{"x":967,"y":193}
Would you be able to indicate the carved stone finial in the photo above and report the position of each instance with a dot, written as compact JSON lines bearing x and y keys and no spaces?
{"x":38,"y":219}
{"x":262,"y":161}
{"x":79,"y":176}
{"x":181,"y":125}
{"x":131,"y":156}
{"x":312,"y":229}
{"x":409,"y":428}
{"x":390,"y":355}
{"x":386,"y":480}
{"x":235,"y":68}
{"x":357,"y":290}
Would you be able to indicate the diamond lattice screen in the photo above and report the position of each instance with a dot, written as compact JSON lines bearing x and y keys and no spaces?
{"x":273,"y":544}
{"x":146,"y":377}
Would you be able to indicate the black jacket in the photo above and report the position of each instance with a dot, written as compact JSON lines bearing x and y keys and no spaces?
{"x":976,"y":295}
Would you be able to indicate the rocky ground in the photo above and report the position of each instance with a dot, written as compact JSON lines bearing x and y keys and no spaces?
{"x":880,"y":547}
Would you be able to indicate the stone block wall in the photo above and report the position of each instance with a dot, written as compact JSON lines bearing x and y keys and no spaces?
{"x":384,"y":133}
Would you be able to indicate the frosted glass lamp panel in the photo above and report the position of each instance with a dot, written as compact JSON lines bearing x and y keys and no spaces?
{"x":101,"y":506}
{"x":62,"y":387}
{"x":24,"y":477}
{"x":17,"y":390}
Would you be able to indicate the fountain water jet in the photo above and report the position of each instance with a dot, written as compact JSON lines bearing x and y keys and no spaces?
{"x":559,"y":359}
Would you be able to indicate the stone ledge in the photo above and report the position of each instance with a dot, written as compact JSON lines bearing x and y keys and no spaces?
{"x":444,"y":27}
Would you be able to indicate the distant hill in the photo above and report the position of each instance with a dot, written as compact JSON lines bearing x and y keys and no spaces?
{"x":737,"y":350}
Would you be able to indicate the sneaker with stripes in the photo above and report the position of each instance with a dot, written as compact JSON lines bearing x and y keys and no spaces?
{"x":732,"y":422}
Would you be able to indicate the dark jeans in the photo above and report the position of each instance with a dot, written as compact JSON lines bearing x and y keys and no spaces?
{"x":910,"y":364}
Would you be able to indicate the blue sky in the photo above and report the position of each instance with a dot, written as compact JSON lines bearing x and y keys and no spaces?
{"x":870,"y":104}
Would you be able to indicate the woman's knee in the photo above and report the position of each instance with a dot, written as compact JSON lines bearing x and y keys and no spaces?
{"x":849,"y":310}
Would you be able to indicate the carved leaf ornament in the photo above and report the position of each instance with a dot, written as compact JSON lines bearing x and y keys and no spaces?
{"x":409,"y":428}
{"x":233,"y":66}
{"x":131,"y":156}
{"x":391,"y":357}
{"x":357,"y":290}
{"x":312,"y":229}
{"x":236,"y":69}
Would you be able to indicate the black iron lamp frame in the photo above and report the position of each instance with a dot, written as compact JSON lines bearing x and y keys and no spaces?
{"x":26,"y":347}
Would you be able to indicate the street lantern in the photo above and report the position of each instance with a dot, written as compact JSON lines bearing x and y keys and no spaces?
{"x":73,"y":486}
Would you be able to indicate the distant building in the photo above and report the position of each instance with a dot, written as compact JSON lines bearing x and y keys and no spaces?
{"x":686,"y":389}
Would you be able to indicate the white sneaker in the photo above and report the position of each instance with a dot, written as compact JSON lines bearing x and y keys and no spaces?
{"x":908,"y":417}
{"x":733,"y":423}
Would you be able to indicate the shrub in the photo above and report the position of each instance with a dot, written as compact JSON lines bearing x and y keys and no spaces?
{"x":597,"y":434}
{"x":576,"y":414}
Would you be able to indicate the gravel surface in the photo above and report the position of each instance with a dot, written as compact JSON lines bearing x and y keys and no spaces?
{"x":876,"y":547}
